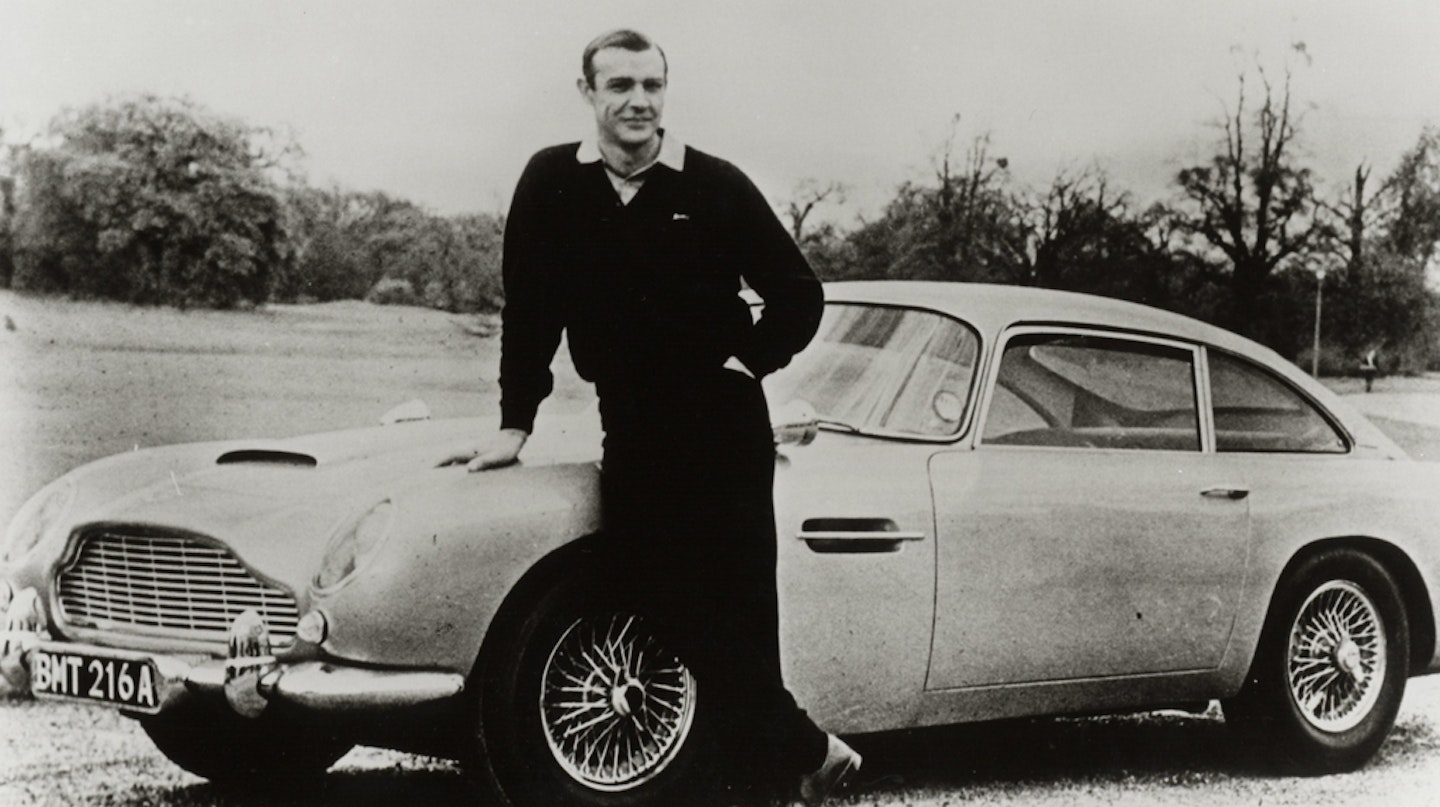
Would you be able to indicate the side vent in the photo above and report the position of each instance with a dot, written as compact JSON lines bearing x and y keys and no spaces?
{"x":267,"y":457}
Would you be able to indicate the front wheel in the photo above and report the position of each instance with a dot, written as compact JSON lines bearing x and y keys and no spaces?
{"x":586,"y":703}
{"x":1330,"y":670}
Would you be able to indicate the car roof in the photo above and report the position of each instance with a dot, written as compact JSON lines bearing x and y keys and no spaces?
{"x":991,"y":307}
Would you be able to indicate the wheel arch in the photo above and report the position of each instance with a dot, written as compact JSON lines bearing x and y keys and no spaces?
{"x":546,"y":572}
{"x":1413,"y":593}
{"x":569,"y":558}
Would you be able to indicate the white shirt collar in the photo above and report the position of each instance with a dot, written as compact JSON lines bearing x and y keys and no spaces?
{"x":672,"y":153}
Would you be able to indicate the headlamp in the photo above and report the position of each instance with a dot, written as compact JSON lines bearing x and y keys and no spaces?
{"x":36,"y":518}
{"x":353,"y":546}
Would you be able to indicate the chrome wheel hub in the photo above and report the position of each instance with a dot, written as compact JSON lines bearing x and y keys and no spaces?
{"x":615,"y":705}
{"x":1336,"y":661}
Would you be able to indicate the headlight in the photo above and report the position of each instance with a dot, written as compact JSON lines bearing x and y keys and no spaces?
{"x":353,"y":546}
{"x":36,"y":518}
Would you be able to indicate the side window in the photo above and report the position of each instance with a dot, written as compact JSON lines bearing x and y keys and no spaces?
{"x":1094,"y":392}
{"x":1257,"y":412}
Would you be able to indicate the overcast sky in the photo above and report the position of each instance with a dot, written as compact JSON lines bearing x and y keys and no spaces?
{"x":442,"y":102}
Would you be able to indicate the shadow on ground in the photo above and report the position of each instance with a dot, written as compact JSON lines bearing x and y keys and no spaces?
{"x":1164,"y":748}
{"x":1152,"y":746}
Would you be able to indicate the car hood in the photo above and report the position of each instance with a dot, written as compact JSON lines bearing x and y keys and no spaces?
{"x":277,"y":501}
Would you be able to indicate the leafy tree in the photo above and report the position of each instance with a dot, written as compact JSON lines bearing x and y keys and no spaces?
{"x":372,"y":245}
{"x":1414,"y":199}
{"x":1383,"y":239}
{"x":151,"y":200}
{"x":1253,"y":202}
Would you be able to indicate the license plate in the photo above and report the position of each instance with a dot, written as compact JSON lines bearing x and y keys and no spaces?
{"x":129,"y":682}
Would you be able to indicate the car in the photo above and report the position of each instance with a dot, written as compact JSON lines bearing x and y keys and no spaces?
{"x":992,"y":502}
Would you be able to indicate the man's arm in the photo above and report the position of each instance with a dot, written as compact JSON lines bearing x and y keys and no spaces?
{"x":530,"y":320}
{"x":775,"y":268}
{"x":531,"y":327}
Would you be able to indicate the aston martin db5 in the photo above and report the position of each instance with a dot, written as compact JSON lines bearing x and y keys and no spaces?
{"x":991,"y":502}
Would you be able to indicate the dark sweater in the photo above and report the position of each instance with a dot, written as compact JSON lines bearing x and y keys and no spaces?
{"x":647,"y":292}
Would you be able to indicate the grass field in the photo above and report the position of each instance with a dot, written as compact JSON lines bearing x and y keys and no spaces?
{"x":79,"y":381}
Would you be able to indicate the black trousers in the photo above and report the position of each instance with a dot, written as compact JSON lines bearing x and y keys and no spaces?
{"x":688,"y":496}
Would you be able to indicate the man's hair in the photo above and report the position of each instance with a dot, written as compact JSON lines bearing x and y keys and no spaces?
{"x":622,"y":38}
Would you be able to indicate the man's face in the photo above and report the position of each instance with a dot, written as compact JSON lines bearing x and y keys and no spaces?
{"x":628,"y":96}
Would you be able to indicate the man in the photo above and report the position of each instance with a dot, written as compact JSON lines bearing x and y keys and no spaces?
{"x":636,"y":245}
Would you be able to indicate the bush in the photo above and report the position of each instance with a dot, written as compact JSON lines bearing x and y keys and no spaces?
{"x":393,"y":291}
{"x":149,"y":200}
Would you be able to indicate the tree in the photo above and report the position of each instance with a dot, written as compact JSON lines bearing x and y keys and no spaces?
{"x":1413,"y":192}
{"x":1085,"y":237}
{"x":1254,"y":203}
{"x":371,"y":245}
{"x":810,"y":193}
{"x":967,"y":226}
{"x":151,"y":200}
{"x":1383,"y":239}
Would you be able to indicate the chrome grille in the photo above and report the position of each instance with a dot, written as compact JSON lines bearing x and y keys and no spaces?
{"x":134,"y":580}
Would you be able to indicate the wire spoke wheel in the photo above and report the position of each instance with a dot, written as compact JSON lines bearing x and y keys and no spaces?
{"x":1336,"y":663}
{"x":616,"y":705}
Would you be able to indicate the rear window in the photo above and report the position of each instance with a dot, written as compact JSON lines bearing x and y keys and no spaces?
{"x":1257,"y":412}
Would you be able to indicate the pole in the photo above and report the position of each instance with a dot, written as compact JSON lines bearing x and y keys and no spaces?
{"x":1315,"y":353}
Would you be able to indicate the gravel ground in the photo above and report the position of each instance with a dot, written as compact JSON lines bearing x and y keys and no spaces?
{"x":79,"y":381}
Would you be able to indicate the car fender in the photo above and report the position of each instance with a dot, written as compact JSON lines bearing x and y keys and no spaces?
{"x":458,"y":545}
{"x":1387,"y":510}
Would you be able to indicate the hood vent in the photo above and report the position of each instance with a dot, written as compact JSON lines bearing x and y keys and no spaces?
{"x":267,"y":457}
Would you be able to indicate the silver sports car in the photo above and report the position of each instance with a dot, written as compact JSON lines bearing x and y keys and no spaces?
{"x":992,"y":502}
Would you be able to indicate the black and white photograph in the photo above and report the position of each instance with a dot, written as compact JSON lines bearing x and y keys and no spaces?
{"x":698,"y":404}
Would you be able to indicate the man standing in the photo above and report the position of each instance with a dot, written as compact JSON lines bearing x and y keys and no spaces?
{"x":635,"y":246}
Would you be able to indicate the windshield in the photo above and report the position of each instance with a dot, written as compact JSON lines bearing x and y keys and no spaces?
{"x":884,"y":369}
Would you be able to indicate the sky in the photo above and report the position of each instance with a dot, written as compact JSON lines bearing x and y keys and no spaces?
{"x":442,"y":101}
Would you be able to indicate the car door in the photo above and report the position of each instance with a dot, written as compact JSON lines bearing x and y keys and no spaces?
{"x":856,"y":554}
{"x":1089,"y":532}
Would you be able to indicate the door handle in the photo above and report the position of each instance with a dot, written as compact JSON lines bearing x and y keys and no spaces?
{"x":854,"y":535}
{"x":1225,"y":492}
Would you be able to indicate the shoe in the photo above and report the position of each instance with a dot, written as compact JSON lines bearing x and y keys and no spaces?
{"x":841,"y":762}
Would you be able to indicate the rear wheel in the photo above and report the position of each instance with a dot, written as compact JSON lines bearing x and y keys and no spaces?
{"x":586,"y":703}
{"x":1330,"y":671}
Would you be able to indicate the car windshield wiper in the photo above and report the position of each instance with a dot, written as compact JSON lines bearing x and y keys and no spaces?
{"x":838,"y":425}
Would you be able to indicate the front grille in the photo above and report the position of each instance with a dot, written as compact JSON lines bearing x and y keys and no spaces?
{"x":134,"y":580}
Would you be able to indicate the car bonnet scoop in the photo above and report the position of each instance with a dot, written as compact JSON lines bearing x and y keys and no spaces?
{"x":267,"y":456}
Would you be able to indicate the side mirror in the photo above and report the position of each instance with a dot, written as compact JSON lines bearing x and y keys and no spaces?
{"x":794,"y":423}
{"x":410,"y":410}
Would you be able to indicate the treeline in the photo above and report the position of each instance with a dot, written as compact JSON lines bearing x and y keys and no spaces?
{"x":1244,"y":241}
{"x":160,"y":201}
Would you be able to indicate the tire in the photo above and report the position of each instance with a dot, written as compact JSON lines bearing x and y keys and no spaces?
{"x":1330,"y":670}
{"x":583,"y":703}
{"x":263,"y":754}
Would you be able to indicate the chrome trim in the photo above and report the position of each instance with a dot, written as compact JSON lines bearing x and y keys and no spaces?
{"x":326,"y":687}
{"x":858,"y":535}
{"x":317,"y":686}
{"x":138,"y":580}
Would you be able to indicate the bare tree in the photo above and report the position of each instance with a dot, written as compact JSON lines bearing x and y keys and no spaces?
{"x":810,"y":193}
{"x":1078,"y":206}
{"x":1253,"y":202}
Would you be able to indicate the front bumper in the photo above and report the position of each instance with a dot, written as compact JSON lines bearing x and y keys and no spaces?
{"x":250,"y":678}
